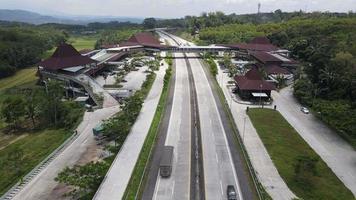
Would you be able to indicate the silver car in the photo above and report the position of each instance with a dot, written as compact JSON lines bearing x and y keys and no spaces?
{"x":304,"y":110}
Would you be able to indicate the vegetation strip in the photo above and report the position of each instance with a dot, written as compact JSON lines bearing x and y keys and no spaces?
{"x":86,"y":179}
{"x":134,"y":189}
{"x":22,"y":156}
{"x":261,"y":192}
{"x":305,"y":173}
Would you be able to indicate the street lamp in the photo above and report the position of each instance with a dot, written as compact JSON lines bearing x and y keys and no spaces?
{"x":243,"y":133}
{"x":261,"y":95}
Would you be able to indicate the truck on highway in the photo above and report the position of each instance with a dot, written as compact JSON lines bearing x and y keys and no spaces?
{"x":165,"y":167}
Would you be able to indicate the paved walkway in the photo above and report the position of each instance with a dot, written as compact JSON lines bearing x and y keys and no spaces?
{"x":41,"y":186}
{"x":119,"y":174}
{"x":336,"y":153}
{"x":261,"y":161}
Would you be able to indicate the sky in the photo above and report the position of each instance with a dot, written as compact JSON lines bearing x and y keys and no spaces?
{"x":171,"y":8}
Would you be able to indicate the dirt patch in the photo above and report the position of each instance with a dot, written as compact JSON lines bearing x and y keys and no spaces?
{"x":92,"y":153}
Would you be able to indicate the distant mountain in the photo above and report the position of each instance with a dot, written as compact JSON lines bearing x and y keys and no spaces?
{"x":36,"y":18}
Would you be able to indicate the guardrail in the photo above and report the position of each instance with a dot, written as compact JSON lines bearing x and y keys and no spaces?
{"x":14,"y":190}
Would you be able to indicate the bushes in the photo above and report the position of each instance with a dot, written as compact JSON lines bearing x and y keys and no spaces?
{"x":6,"y":70}
{"x":212,"y":66}
{"x":86,"y":179}
{"x":340,"y":116}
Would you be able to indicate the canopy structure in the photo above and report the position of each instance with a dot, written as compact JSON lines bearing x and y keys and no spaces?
{"x":259,"y":94}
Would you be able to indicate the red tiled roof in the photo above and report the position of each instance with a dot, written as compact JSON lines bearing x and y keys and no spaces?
{"x":252,"y":80}
{"x":65,"y":56}
{"x":256,"y":44}
{"x":253,"y":74}
{"x":144,"y":38}
{"x":253,"y":47}
{"x":275,"y":69}
{"x":264,"y":56}
{"x":246,"y":84}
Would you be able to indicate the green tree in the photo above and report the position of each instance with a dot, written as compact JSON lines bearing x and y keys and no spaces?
{"x":149,"y":23}
{"x":84,"y":179}
{"x":13,"y":110}
{"x":32,"y":104}
{"x":53,"y":101}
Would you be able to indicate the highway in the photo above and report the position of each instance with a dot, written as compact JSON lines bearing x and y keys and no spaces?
{"x":219,"y":169}
{"x":219,"y":165}
{"x":176,"y":130}
{"x":178,"y":135}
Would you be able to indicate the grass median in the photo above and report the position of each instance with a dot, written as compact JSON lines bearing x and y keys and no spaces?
{"x":305,"y":173}
{"x":134,"y":189}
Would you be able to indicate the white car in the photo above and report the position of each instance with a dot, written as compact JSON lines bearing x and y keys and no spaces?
{"x":304,"y":110}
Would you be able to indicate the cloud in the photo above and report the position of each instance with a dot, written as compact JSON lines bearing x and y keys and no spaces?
{"x":172,"y":8}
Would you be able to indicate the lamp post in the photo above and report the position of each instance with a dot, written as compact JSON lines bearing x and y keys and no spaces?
{"x":261,"y":95}
{"x":243,"y":133}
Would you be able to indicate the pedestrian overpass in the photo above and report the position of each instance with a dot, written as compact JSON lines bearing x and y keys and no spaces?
{"x":194,"y":49}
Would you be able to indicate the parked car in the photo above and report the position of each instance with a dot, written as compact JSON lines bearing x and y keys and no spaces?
{"x":304,"y":110}
{"x":231,"y":192}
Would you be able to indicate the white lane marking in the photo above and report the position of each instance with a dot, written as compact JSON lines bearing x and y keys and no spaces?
{"x":216,"y":156}
{"x":157,"y":186}
{"x":221,"y":125}
{"x":222,"y":190}
{"x":174,"y":182}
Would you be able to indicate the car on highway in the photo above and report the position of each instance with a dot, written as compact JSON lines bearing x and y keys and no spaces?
{"x":304,"y":110}
{"x":231,"y":192}
{"x":165,"y":167}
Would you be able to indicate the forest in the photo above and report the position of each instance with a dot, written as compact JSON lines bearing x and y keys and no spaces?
{"x":24,"y":46}
{"x":326,"y":48}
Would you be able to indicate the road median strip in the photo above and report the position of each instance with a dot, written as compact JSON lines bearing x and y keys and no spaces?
{"x":135,"y":187}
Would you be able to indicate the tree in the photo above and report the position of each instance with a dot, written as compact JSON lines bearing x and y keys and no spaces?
{"x":53,"y":101}
{"x":13,"y":109}
{"x":228,"y":64}
{"x":32,"y":104}
{"x":85,"y":179}
{"x":149,"y":23}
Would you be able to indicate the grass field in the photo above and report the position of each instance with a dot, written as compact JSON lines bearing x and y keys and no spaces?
{"x":285,"y":146}
{"x":81,"y":43}
{"x":34,"y":147}
{"x":21,"y":77}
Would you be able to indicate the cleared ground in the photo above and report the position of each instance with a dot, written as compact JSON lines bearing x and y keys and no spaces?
{"x":285,"y":146}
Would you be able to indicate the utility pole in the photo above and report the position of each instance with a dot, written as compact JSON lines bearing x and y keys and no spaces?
{"x":243,"y":133}
{"x":261,"y":95}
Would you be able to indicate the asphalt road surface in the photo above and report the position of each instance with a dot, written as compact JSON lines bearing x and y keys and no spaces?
{"x":178,"y":135}
{"x":219,"y":169}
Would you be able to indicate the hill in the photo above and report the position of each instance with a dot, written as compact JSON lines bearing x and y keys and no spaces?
{"x":36,"y":18}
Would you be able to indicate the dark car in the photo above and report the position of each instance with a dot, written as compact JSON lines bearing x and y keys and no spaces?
{"x":231,"y":192}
